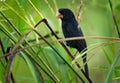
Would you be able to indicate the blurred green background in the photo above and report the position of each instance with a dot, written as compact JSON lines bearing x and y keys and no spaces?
{"x":18,"y":17}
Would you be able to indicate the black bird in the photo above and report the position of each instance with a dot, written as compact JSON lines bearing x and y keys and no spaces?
{"x":70,"y":29}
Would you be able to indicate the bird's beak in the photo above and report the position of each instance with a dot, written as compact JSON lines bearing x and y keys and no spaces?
{"x":59,"y":15}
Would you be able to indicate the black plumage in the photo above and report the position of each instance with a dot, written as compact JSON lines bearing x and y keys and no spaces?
{"x":70,"y":29}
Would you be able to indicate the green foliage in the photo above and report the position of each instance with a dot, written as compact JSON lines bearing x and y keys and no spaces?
{"x":37,"y":57}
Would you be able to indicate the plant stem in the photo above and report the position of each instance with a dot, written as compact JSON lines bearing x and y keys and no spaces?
{"x":114,"y":19}
{"x":3,"y":50}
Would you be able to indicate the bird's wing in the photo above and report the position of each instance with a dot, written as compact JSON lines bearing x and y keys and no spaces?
{"x":75,"y":32}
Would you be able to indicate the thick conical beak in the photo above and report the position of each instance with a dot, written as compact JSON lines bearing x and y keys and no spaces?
{"x":59,"y":15}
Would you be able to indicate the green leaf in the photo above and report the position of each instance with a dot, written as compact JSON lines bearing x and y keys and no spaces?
{"x":107,"y":56}
{"x":31,"y":67}
{"x":110,"y":70}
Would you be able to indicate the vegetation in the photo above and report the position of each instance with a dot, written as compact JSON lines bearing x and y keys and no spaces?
{"x":32,"y":48}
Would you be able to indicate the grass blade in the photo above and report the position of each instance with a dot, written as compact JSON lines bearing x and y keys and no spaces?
{"x":110,"y":70}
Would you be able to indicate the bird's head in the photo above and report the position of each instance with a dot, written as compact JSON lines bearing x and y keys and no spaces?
{"x":65,"y":14}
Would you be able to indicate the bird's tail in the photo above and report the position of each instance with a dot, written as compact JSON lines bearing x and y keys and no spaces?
{"x":82,"y":48}
{"x":86,"y":65}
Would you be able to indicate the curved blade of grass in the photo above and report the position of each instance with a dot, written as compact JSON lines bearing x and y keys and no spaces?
{"x":90,"y":48}
{"x":110,"y":70}
{"x":31,"y":67}
{"x":107,"y":56}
